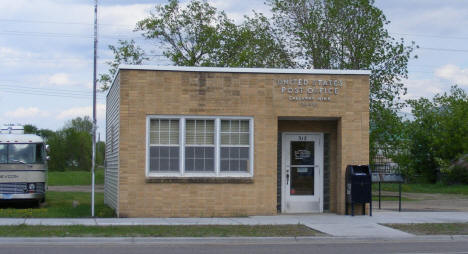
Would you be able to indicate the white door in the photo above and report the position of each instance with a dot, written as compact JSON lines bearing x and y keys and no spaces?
{"x":302,"y":173}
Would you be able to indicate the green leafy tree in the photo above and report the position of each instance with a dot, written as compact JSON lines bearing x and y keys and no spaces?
{"x":126,"y":52}
{"x":350,"y":34}
{"x":189,"y":35}
{"x":30,"y":129}
{"x":200,"y":35}
{"x":253,"y":43}
{"x":80,"y":124}
{"x":438,"y":135}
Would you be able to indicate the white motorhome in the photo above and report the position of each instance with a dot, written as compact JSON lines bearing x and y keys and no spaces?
{"x":23,"y":165}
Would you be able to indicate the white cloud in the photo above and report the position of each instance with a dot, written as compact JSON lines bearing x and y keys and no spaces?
{"x":122,"y":18}
{"x":60,"y":79}
{"x":82,"y":111}
{"x":454,"y":74}
{"x":30,"y":112}
{"x":423,"y":88}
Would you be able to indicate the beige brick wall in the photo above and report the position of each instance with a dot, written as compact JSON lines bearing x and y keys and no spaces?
{"x":230,"y":94}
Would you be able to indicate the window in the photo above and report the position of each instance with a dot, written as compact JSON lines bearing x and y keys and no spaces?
{"x":199,"y":145}
{"x":3,"y":153}
{"x":192,"y":146}
{"x":21,"y":153}
{"x":164,"y":145}
{"x":234,"y":145}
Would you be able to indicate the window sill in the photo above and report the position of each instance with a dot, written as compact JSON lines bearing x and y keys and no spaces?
{"x":192,"y":179}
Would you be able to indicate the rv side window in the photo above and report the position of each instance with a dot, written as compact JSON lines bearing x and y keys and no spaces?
{"x":3,"y":153}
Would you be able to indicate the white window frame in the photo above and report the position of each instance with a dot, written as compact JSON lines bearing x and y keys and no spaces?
{"x":217,"y":173}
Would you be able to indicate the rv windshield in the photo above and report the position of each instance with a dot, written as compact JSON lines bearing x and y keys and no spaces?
{"x":21,"y":153}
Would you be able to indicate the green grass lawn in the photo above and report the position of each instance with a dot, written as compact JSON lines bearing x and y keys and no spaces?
{"x":433,"y":228}
{"x":60,"y":205}
{"x":424,"y":188}
{"x":74,"y":177}
{"x":157,"y":231}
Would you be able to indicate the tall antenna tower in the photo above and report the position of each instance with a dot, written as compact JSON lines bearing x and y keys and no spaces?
{"x":93,"y":161}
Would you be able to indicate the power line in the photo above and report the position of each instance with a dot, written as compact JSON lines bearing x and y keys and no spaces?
{"x":445,"y":49}
{"x":52,"y":95}
{"x":47,"y":90}
{"x":433,"y":36}
{"x":57,"y":22}
{"x":63,"y":35}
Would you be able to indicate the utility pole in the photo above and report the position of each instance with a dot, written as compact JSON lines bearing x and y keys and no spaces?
{"x":93,"y":161}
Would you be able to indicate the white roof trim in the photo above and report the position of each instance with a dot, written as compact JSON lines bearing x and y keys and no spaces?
{"x":243,"y":70}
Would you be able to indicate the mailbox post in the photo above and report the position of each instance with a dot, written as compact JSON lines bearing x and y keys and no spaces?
{"x":358,"y":187}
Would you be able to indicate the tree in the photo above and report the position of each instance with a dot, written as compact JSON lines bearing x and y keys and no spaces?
{"x":438,"y":135}
{"x":350,"y":34}
{"x":80,"y":124}
{"x":126,"y":52}
{"x":30,"y":129}
{"x":200,"y":35}
{"x":253,"y":43}
{"x":189,"y":34}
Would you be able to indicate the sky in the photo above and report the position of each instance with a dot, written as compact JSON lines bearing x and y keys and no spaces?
{"x":46,"y":50}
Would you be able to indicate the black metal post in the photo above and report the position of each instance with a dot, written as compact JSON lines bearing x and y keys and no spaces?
{"x":380,"y":193}
{"x":399,"y":197}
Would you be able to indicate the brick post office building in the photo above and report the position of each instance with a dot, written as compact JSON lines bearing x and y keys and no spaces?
{"x":203,"y":142}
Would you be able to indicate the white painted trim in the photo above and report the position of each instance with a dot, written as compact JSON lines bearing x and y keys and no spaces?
{"x":284,"y":162}
{"x":147,"y":147}
{"x":182,"y":145}
{"x":243,"y":70}
{"x":217,"y":146}
{"x":217,"y":172}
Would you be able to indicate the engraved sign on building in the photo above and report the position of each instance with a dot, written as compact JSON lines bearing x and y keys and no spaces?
{"x":309,"y":92}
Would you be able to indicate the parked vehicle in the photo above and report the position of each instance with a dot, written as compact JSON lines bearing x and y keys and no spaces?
{"x":23,"y":165}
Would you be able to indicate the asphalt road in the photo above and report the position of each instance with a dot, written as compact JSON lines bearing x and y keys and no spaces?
{"x":327,"y":246}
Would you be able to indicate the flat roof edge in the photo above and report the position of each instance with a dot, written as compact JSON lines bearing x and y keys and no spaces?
{"x":243,"y":70}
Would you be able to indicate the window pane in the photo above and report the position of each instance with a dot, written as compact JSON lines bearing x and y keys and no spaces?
{"x":244,"y":126}
{"x":234,"y":165}
{"x":209,"y":164}
{"x":235,"y":139}
{"x":244,"y":139}
{"x":201,"y":159}
{"x":154,"y":138}
{"x":244,"y":152}
{"x":234,"y":126}
{"x":164,"y":158}
{"x":224,"y":165}
{"x":164,"y":152}
{"x":154,"y":165}
{"x":164,"y":125}
{"x":174,"y":165}
{"x":234,"y":152}
{"x":3,"y":153}
{"x":199,"y":165}
{"x":21,"y":153}
{"x":210,"y":126}
{"x":164,"y":164}
{"x":199,"y":132}
{"x":234,"y":159}
{"x":243,"y":165}
{"x":190,"y":132}
{"x":164,"y":132}
{"x":225,"y":139}
{"x":154,"y":125}
{"x":225,"y":125}
{"x":154,"y":152}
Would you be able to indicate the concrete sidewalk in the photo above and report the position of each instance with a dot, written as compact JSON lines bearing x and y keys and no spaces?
{"x":331,"y":224}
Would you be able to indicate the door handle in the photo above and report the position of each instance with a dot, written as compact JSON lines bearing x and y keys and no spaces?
{"x":287,"y":175}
